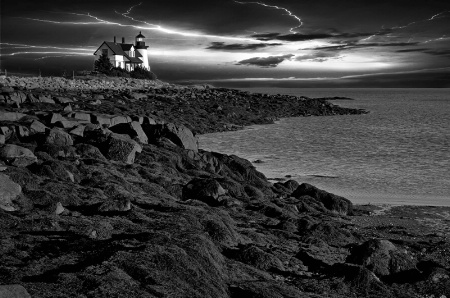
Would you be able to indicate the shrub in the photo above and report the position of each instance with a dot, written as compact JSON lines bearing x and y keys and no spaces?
{"x":119,"y":72}
{"x":103,"y":64}
{"x":142,"y":73}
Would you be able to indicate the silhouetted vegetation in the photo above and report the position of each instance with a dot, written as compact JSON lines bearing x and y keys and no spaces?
{"x":103,"y":64}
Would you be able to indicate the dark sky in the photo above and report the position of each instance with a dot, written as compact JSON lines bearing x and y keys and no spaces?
{"x":289,"y":43}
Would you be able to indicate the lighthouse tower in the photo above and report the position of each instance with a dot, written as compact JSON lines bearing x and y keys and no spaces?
{"x":142,"y":48}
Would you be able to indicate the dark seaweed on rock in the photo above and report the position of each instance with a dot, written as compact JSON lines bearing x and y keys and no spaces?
{"x":112,"y":198}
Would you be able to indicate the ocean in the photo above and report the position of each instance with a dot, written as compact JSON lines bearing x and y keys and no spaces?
{"x":399,"y":153}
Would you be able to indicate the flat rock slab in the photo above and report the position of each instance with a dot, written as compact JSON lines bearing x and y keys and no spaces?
{"x":10,"y":116}
{"x":9,"y":190}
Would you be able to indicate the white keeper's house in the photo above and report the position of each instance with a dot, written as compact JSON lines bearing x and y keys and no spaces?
{"x":125,"y":55}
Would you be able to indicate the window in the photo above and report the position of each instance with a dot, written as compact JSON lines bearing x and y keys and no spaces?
{"x":105,"y":52}
{"x":131,"y":53}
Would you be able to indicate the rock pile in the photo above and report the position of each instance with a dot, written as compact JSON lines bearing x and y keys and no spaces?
{"x":107,"y":200}
{"x":202,"y":109}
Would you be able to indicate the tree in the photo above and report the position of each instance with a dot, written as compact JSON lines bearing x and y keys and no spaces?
{"x":103,"y":64}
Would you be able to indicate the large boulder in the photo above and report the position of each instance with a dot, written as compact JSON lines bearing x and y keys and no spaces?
{"x":58,"y":137}
{"x":17,"y":156}
{"x":133,"y":129}
{"x":180,"y":135}
{"x":13,"y":291}
{"x":331,"y":201}
{"x":9,"y":190}
{"x":382,"y":257}
{"x":121,"y":148}
{"x":205,"y":190}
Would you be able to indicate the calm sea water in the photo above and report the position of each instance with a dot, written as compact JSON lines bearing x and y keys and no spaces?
{"x":398,"y":154}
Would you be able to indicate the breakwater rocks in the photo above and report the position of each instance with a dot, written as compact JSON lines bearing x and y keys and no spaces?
{"x":99,"y":202}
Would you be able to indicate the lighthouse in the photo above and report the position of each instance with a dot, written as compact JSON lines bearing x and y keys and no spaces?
{"x":142,"y":48}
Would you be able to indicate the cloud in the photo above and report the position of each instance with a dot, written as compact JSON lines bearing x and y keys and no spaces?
{"x":291,"y":37}
{"x":328,"y":34}
{"x":266,"y":62}
{"x":436,"y":52}
{"x":318,"y":56}
{"x":239,"y":46}
{"x":355,"y":45}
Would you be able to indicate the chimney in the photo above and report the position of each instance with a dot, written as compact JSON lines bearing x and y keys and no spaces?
{"x":114,"y":39}
{"x":123,"y":39}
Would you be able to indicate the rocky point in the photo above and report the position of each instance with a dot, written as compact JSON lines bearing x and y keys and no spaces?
{"x":105,"y":193}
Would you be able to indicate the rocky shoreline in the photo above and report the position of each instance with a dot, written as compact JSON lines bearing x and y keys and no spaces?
{"x":104,"y":193}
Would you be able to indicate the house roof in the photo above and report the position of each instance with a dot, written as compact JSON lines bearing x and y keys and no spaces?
{"x":126,"y":46}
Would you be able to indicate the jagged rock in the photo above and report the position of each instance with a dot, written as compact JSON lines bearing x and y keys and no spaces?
{"x":121,"y":148}
{"x":10,"y":116}
{"x":133,"y":129}
{"x":17,"y":97}
{"x":180,"y":135}
{"x":9,"y":190}
{"x":330,"y":201}
{"x":206,"y":190}
{"x":17,"y":156}
{"x":59,"y":209}
{"x":13,"y":291}
{"x":37,"y":127}
{"x":382,"y":257}
{"x":45,"y":98}
{"x":55,"y":117}
{"x":78,"y":130}
{"x":58,"y":137}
